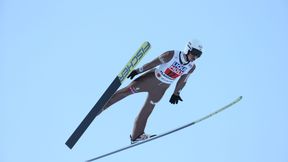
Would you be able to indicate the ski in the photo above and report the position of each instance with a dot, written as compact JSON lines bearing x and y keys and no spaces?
{"x":169,"y":132}
{"x":138,"y":55}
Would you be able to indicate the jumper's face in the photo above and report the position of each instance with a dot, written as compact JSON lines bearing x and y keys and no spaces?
{"x":193,"y":54}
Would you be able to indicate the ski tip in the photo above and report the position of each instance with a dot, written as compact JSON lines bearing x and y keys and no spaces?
{"x":147,"y":42}
{"x":239,"y":98}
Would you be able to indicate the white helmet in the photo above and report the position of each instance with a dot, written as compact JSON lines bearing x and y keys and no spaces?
{"x":193,"y":44}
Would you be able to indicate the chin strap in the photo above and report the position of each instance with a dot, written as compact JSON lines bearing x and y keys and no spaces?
{"x":183,"y":58}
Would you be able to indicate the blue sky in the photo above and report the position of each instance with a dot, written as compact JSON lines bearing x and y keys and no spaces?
{"x":58,"y":57}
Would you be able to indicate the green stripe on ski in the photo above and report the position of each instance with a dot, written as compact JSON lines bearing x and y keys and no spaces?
{"x":129,"y":67}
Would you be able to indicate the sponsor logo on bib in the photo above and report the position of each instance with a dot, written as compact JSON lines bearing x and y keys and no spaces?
{"x":175,"y":70}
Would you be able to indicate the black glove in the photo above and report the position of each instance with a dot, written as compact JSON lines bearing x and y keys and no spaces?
{"x":174,"y":99}
{"x":132,"y":74}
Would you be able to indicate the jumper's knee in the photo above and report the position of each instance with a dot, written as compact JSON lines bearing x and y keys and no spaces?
{"x":133,"y":89}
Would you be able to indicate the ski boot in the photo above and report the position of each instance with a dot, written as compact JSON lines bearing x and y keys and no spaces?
{"x":142,"y":137}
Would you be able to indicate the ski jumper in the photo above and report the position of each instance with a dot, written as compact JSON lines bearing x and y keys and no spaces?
{"x":156,"y":81}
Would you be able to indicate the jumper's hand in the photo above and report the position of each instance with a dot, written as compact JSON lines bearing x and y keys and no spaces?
{"x":174,"y":99}
{"x":132,"y":74}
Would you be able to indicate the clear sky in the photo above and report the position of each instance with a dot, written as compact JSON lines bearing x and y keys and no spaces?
{"x":57,"y":57}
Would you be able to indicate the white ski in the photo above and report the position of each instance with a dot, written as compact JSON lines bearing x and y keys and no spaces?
{"x":169,"y":132}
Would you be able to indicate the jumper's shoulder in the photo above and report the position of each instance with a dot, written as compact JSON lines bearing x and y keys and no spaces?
{"x":192,"y":66}
{"x":166,"y":56}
